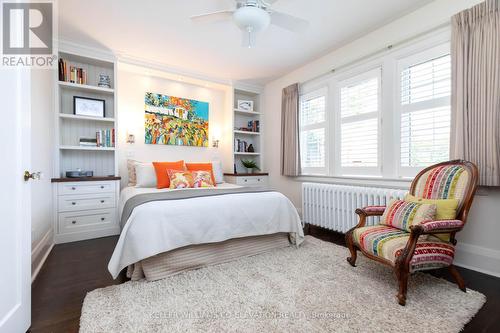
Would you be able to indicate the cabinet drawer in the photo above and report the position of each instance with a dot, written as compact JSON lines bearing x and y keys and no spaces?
{"x":252,"y":181}
{"x":86,"y":221}
{"x":86,"y":187}
{"x":86,"y":202}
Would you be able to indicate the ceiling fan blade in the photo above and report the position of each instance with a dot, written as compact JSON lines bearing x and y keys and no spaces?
{"x":213,"y":17}
{"x":269,"y":2}
{"x":288,"y":22}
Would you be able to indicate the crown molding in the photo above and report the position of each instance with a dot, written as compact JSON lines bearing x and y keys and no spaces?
{"x":86,"y":51}
{"x":114,"y":55}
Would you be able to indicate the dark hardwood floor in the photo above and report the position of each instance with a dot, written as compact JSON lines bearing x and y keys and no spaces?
{"x":71,"y":270}
{"x":74,"y":269}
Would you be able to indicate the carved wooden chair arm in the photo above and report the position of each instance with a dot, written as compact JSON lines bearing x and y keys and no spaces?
{"x":368,"y":211}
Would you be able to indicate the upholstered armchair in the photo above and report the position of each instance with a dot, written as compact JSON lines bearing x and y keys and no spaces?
{"x":427,"y":245}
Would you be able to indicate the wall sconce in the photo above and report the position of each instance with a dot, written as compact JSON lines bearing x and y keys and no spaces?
{"x":216,"y":134}
{"x":130,"y":138}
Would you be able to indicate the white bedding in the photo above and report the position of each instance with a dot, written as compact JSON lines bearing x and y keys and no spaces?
{"x":160,"y":226}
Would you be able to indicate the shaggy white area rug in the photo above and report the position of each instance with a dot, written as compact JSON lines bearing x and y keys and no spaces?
{"x":310,"y":289}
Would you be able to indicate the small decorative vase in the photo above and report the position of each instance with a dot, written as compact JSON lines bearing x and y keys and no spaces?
{"x":250,"y":149}
{"x":249,"y":170}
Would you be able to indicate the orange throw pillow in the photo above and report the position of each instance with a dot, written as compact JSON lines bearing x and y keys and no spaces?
{"x":202,"y":167}
{"x":162,"y":178}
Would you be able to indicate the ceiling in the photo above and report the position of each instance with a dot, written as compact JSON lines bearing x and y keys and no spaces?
{"x":161,"y":31}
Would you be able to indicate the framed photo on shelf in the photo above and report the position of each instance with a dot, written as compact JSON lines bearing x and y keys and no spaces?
{"x":90,"y":107}
{"x":245,"y":105}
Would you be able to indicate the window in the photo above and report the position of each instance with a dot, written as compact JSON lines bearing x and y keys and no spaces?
{"x":387,"y":117}
{"x":313,"y":132}
{"x":425,"y":90}
{"x":359,"y":119}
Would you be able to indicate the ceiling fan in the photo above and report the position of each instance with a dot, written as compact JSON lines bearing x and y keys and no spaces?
{"x":252,"y":16}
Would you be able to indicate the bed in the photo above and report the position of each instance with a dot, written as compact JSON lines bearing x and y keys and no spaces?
{"x":165,"y":232}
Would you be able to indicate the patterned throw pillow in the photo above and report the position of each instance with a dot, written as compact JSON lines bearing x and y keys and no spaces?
{"x":180,"y":179}
{"x":202,"y":179}
{"x":402,"y":215}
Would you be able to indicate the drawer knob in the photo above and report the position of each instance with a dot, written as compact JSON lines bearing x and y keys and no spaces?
{"x":73,"y":203}
{"x":102,"y":201}
{"x":258,"y":179}
{"x":74,"y":222}
{"x":73,"y":188}
{"x":102,"y":218}
{"x":246,"y":180}
{"x":102,"y":186}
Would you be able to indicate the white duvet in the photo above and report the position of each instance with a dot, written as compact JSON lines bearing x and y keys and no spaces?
{"x":161,"y":226}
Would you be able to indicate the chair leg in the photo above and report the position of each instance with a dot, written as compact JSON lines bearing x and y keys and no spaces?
{"x":402,"y":275}
{"x":352,"y":248}
{"x":457,"y":277}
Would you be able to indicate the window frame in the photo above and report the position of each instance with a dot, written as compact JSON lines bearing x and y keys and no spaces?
{"x":389,"y":125}
{"x":403,"y":62}
{"x":362,"y":74}
{"x":321,"y":91}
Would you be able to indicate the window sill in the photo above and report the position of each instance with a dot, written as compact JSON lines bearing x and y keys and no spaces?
{"x":398,"y":183}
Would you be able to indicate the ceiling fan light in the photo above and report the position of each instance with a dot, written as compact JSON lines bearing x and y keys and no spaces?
{"x":254,"y":17}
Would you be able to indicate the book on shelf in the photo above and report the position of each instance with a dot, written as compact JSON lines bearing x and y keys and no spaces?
{"x":241,"y":146}
{"x":254,"y":125}
{"x":105,"y":138}
{"x":88,"y":142}
{"x":72,"y":74}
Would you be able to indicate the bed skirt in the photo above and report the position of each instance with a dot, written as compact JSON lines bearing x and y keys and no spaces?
{"x":195,"y":256}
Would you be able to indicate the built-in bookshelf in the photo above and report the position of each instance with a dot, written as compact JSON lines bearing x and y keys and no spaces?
{"x":72,"y":153}
{"x":247,"y":128}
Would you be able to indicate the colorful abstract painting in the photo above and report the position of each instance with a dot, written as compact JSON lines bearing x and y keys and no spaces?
{"x":175,"y":121}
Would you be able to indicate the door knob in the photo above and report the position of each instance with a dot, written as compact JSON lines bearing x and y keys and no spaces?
{"x":34,"y":175}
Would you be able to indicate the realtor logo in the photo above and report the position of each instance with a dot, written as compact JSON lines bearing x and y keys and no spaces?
{"x":27,"y":34}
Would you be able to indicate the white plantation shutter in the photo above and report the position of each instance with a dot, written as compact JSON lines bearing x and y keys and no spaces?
{"x":313,"y":132}
{"x":425,"y":90}
{"x":359,"y":119}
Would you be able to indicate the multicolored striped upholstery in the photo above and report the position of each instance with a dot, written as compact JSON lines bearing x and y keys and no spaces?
{"x":443,"y":182}
{"x":388,"y":242}
{"x":402,"y":215}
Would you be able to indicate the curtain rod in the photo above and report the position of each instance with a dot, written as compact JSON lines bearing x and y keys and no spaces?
{"x":380,"y":51}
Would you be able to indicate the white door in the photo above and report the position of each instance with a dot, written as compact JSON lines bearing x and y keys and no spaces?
{"x":15,"y":201}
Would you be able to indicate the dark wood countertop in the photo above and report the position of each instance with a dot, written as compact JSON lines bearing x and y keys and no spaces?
{"x":247,"y":174}
{"x":84,"y":179}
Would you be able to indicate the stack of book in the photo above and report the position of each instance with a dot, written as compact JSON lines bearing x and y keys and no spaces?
{"x":68,"y":73}
{"x":241,"y":146}
{"x":88,"y":142}
{"x":105,"y":138}
{"x":254,"y":126}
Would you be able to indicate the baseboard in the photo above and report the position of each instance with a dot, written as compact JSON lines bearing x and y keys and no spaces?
{"x":80,"y":236}
{"x":40,"y":253}
{"x":478,"y":258}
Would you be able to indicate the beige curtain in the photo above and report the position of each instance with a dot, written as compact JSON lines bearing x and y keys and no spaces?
{"x":475,"y":54}
{"x":290,"y":147}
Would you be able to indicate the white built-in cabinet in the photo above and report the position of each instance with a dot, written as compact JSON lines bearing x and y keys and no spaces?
{"x":241,"y":132}
{"x":85,"y":208}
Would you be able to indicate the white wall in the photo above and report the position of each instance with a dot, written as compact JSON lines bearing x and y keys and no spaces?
{"x":42,"y":141}
{"x":478,"y":243}
{"x":133,"y":82}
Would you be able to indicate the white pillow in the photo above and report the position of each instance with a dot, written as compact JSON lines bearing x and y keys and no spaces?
{"x":145,"y":175}
{"x":217,"y":170}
